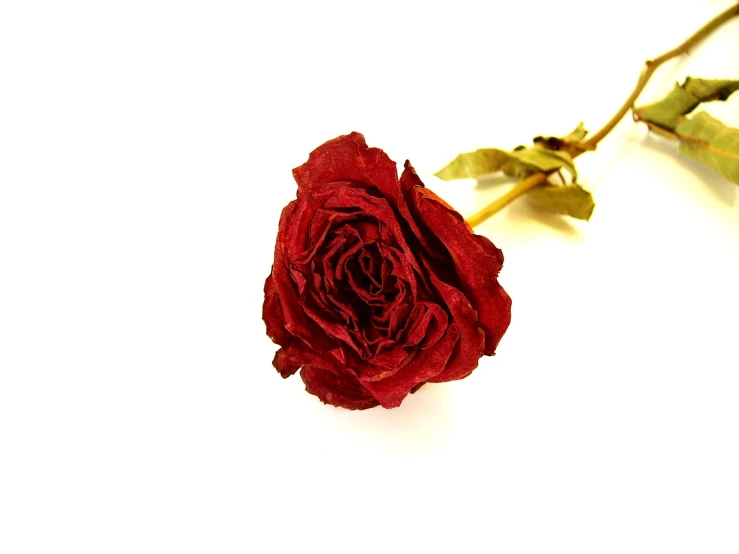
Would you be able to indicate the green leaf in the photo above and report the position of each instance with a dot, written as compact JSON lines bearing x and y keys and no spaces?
{"x":710,"y":142}
{"x":572,"y":200}
{"x":666,"y":114}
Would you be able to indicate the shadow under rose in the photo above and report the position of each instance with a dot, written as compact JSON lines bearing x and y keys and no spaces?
{"x":422,"y":425}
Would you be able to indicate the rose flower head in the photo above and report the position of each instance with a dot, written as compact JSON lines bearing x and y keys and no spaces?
{"x":378,"y":286}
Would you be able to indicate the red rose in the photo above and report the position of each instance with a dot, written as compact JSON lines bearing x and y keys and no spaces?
{"x":378,"y":286}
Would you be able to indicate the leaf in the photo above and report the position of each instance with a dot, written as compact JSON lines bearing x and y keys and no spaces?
{"x":572,"y":200}
{"x":539,"y":158}
{"x":577,"y":134}
{"x":668,"y":112}
{"x":474,"y":164}
{"x":710,"y":142}
{"x":557,"y":143}
{"x":519,"y":163}
{"x":707,"y":90}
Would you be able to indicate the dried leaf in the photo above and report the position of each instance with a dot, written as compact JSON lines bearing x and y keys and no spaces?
{"x":519,"y":163}
{"x":710,"y":142}
{"x":668,"y":112}
{"x":539,"y":158}
{"x":707,"y":90}
{"x":474,"y":164}
{"x":558,"y":143}
{"x":572,"y":200}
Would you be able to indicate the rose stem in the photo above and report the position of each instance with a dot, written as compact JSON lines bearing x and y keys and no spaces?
{"x":650,"y":67}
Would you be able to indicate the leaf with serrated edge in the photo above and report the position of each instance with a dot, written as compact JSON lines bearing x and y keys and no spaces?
{"x":571,"y":200}
{"x":710,"y":142}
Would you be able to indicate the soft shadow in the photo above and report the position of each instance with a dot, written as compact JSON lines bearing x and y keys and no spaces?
{"x":721,"y":187}
{"x":522,"y":213}
{"x":423,"y":424}
{"x":492,"y":181}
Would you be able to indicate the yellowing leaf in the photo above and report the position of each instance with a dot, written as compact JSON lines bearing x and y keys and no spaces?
{"x":707,"y":90}
{"x":710,"y":142}
{"x":519,"y":163}
{"x":668,"y":112}
{"x":538,"y":158}
{"x":558,"y":143}
{"x":572,"y":200}
{"x":474,"y":164}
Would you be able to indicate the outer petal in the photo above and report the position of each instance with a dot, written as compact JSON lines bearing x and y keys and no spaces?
{"x":471,"y":345}
{"x":347,"y":158}
{"x":425,"y":366}
{"x":294,"y":320}
{"x":272,"y":313}
{"x":337,"y":387}
{"x":410,"y":179}
{"x":477,"y":262}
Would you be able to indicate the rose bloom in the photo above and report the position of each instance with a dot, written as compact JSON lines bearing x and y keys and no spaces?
{"x":378,"y":286}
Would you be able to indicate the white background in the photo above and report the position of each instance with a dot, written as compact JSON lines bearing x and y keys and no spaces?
{"x":146,"y":150}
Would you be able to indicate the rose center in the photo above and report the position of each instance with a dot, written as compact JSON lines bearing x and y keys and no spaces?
{"x":368,"y":275}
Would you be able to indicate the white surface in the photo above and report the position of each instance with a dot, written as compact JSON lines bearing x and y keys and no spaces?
{"x":145,"y":154}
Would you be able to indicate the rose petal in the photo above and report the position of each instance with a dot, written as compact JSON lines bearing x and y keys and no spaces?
{"x":332,"y":328}
{"x":287,"y":361}
{"x":425,"y":365}
{"x":337,"y":387}
{"x":470,"y":347}
{"x":272,"y":313}
{"x":293,"y":320}
{"x":477,"y":262}
{"x":347,"y":158}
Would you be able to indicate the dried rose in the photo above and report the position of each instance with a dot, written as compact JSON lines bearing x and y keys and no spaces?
{"x":378,"y":286}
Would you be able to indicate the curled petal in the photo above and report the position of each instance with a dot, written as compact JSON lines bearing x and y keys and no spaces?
{"x":289,"y":324}
{"x":287,"y":361}
{"x":337,"y":387}
{"x":466,"y":355}
{"x":272,"y":313}
{"x":347,"y":158}
{"x":477,"y":262}
{"x":426,"y":365}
